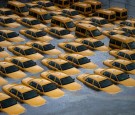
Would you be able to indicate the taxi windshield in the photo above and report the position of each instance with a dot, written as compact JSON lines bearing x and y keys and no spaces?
{"x":8,"y":102}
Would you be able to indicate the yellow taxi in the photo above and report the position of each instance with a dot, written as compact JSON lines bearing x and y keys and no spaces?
{"x":72,"y":13}
{"x":8,"y":22}
{"x":25,"y":64}
{"x":10,"y":105}
{"x":3,"y":42}
{"x":44,"y":47}
{"x":36,"y":34}
{"x":60,"y":65}
{"x":59,"y":32}
{"x":93,"y":44}
{"x":61,"y":80}
{"x":9,"y":13}
{"x":3,"y":53}
{"x":24,"y":50}
{"x":75,"y":47}
{"x":31,"y":5}
{"x":117,"y":76}
{"x":11,"y":35}
{"x":10,"y":70}
{"x":109,"y":33}
{"x":123,"y":54}
{"x":31,"y":22}
{"x":78,"y":60}
{"x":102,"y":22}
{"x":121,"y":64}
{"x":43,"y":87}
{"x":129,"y":22}
{"x":48,"y":5}
{"x":88,"y":30}
{"x":128,"y":29}
{"x":99,"y":82}
{"x":3,"y":81}
{"x":24,"y":94}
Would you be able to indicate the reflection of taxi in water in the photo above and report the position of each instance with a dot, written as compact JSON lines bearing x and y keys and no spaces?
{"x":8,"y":22}
{"x":24,"y":94}
{"x":10,"y":105}
{"x":43,"y":87}
{"x":115,"y":75}
{"x":36,"y":34}
{"x":24,"y":50}
{"x":75,"y":47}
{"x":78,"y":60}
{"x":25,"y":64}
{"x":10,"y":70}
{"x":59,"y":32}
{"x":11,"y":35}
{"x":44,"y":47}
{"x":93,"y":44}
{"x":60,"y":65}
{"x":99,"y":82}
{"x":123,"y":54}
{"x":61,"y":80}
{"x":124,"y":65}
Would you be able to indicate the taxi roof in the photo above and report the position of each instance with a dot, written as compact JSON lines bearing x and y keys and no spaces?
{"x":114,"y":71}
{"x":73,"y":43}
{"x":39,"y":10}
{"x":76,"y":56}
{"x":3,"y":96}
{"x":123,"y":38}
{"x":58,"y":60}
{"x":58,"y":74}
{"x":40,"y":43}
{"x":32,"y":4}
{"x":117,"y":31}
{"x":93,"y":2}
{"x":5,"y":17}
{"x":69,"y":9}
{"x":22,"y":88}
{"x":5,"y":64}
{"x":34,"y":30}
{"x":23,"y":47}
{"x":90,"y":39}
{"x":95,"y":77}
{"x":20,"y":58}
{"x":16,"y":3}
{"x":127,"y":51}
{"x":129,"y":27}
{"x":30,"y":18}
{"x":122,"y":61}
{"x":118,"y":9}
{"x":106,"y":11}
{"x":57,"y":28}
{"x":62,"y":18}
{"x":82,"y":4}
{"x":98,"y":18}
{"x":6,"y":30}
{"x":86,"y":26}
{"x":41,"y":81}
{"x":5,"y":9}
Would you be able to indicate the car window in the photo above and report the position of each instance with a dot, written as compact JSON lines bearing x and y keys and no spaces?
{"x":28,"y":32}
{"x":52,"y":63}
{"x":114,"y":77}
{"x":89,"y":80}
{"x":39,"y":88}
{"x":35,"y":45}
{"x":75,"y":61}
{"x":127,"y":56}
{"x":3,"y":70}
{"x":85,"y":42}
{"x":96,"y":84}
{"x":116,"y":64}
{"x":69,"y":58}
{"x":17,"y":49}
{"x":20,"y":64}
{"x":33,"y":84}
{"x":57,"y":66}
{"x":13,"y":91}
{"x":15,"y":61}
{"x":57,"y":81}
{"x":121,"y":54}
{"x":20,"y":95}
{"x":74,"y":48}
{"x":123,"y":67}
{"x":68,"y":46}
{"x":22,"y":52}
{"x":107,"y":74}
{"x":51,"y":77}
